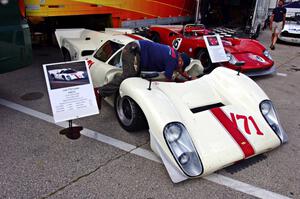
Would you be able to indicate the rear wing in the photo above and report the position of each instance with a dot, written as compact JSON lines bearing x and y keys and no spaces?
{"x":76,"y":33}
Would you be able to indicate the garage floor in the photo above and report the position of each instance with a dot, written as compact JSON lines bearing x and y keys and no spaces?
{"x":107,"y":162}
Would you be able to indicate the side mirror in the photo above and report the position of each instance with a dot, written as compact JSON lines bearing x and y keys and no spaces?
{"x":239,"y":64}
{"x":149,"y":75}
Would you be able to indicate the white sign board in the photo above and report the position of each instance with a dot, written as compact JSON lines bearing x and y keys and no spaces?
{"x":215,"y":48}
{"x":70,"y":90}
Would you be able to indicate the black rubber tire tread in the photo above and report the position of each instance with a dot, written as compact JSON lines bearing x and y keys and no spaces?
{"x":205,"y":60}
{"x":66,"y":54}
{"x":139,"y":122}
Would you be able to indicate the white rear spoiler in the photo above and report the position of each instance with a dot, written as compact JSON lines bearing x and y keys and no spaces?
{"x":76,"y":33}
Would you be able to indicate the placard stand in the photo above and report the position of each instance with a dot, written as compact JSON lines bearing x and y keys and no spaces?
{"x":71,"y":132}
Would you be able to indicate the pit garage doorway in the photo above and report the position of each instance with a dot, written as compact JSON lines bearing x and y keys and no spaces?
{"x":247,"y":16}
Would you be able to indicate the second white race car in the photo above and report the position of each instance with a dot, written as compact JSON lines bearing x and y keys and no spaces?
{"x":291,"y":30}
{"x":196,"y":127}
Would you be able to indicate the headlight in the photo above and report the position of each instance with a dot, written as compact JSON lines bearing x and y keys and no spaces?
{"x":231,"y":59}
{"x":267,"y":54}
{"x":268,"y":111}
{"x":260,"y":59}
{"x":182,"y":148}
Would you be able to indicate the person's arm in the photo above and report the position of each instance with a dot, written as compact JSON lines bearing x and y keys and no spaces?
{"x":187,"y":76}
{"x":271,"y":21}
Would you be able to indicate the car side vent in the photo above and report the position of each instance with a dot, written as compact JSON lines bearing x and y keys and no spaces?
{"x":207,"y":107}
{"x":87,"y":52}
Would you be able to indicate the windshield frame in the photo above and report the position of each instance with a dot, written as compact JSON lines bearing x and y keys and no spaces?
{"x":103,"y":56}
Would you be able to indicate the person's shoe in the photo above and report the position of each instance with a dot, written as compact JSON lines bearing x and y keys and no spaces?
{"x":272,"y":47}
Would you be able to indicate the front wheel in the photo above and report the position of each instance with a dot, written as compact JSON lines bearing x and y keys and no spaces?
{"x":129,"y":114}
{"x":205,"y":60}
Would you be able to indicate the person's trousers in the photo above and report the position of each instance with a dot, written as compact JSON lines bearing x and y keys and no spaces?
{"x":131,"y":68}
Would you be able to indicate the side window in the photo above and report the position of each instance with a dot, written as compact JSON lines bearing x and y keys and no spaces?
{"x":116,"y":60}
{"x":107,"y":50}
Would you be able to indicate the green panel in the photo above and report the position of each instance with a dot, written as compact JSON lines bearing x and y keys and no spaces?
{"x":15,"y":40}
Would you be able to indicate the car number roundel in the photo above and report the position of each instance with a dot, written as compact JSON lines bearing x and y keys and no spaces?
{"x":176,"y":43}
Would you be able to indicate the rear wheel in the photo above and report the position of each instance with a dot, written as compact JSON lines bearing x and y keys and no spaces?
{"x":129,"y":114}
{"x":205,"y":60}
{"x":66,"y":54}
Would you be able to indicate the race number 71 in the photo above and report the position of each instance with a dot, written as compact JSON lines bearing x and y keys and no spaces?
{"x":235,"y":117}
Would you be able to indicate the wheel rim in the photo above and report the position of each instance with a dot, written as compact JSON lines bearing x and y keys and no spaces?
{"x":124,"y":110}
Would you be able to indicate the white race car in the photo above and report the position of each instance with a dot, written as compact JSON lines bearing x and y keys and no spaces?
{"x":291,"y":30}
{"x":196,"y":127}
{"x":78,"y":43}
{"x":67,"y":74}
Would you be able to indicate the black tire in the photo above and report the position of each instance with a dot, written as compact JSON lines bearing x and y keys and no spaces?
{"x":66,"y":54}
{"x":129,"y":114}
{"x":66,"y":78}
{"x":205,"y":60}
{"x":155,"y":37}
{"x":52,"y":77}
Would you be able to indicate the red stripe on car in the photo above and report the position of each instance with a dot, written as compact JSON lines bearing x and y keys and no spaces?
{"x":234,"y":132}
{"x":90,"y":63}
{"x":77,"y":76}
{"x":134,"y":36}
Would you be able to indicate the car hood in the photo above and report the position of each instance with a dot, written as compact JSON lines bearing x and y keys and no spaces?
{"x":246,"y":50}
{"x":220,"y":111}
{"x":224,"y":128}
{"x":293,"y":28}
{"x":235,"y":45}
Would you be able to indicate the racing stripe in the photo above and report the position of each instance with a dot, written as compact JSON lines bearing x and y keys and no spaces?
{"x":77,"y":76}
{"x":234,"y":132}
{"x":134,"y":36}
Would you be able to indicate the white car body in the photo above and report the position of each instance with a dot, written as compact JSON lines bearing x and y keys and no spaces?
{"x":291,"y":32}
{"x":217,"y":146}
{"x":224,"y":117}
{"x":66,"y":74}
{"x":80,"y":42}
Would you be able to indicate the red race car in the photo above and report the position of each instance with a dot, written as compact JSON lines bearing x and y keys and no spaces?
{"x":246,"y":55}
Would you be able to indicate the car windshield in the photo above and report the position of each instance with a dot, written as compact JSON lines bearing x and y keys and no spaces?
{"x":107,"y":50}
{"x":68,"y":71}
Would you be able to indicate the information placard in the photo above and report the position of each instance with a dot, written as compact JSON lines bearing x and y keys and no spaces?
{"x":70,"y":90}
{"x":215,"y":48}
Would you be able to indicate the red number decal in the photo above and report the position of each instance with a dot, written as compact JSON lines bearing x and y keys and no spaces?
{"x":258,"y":131}
{"x":236,"y":117}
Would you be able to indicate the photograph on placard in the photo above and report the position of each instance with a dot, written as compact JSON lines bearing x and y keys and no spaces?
{"x":62,"y":75}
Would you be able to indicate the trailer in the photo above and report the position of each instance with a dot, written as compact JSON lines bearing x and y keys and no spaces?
{"x":47,"y":15}
{"x":247,"y":16}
